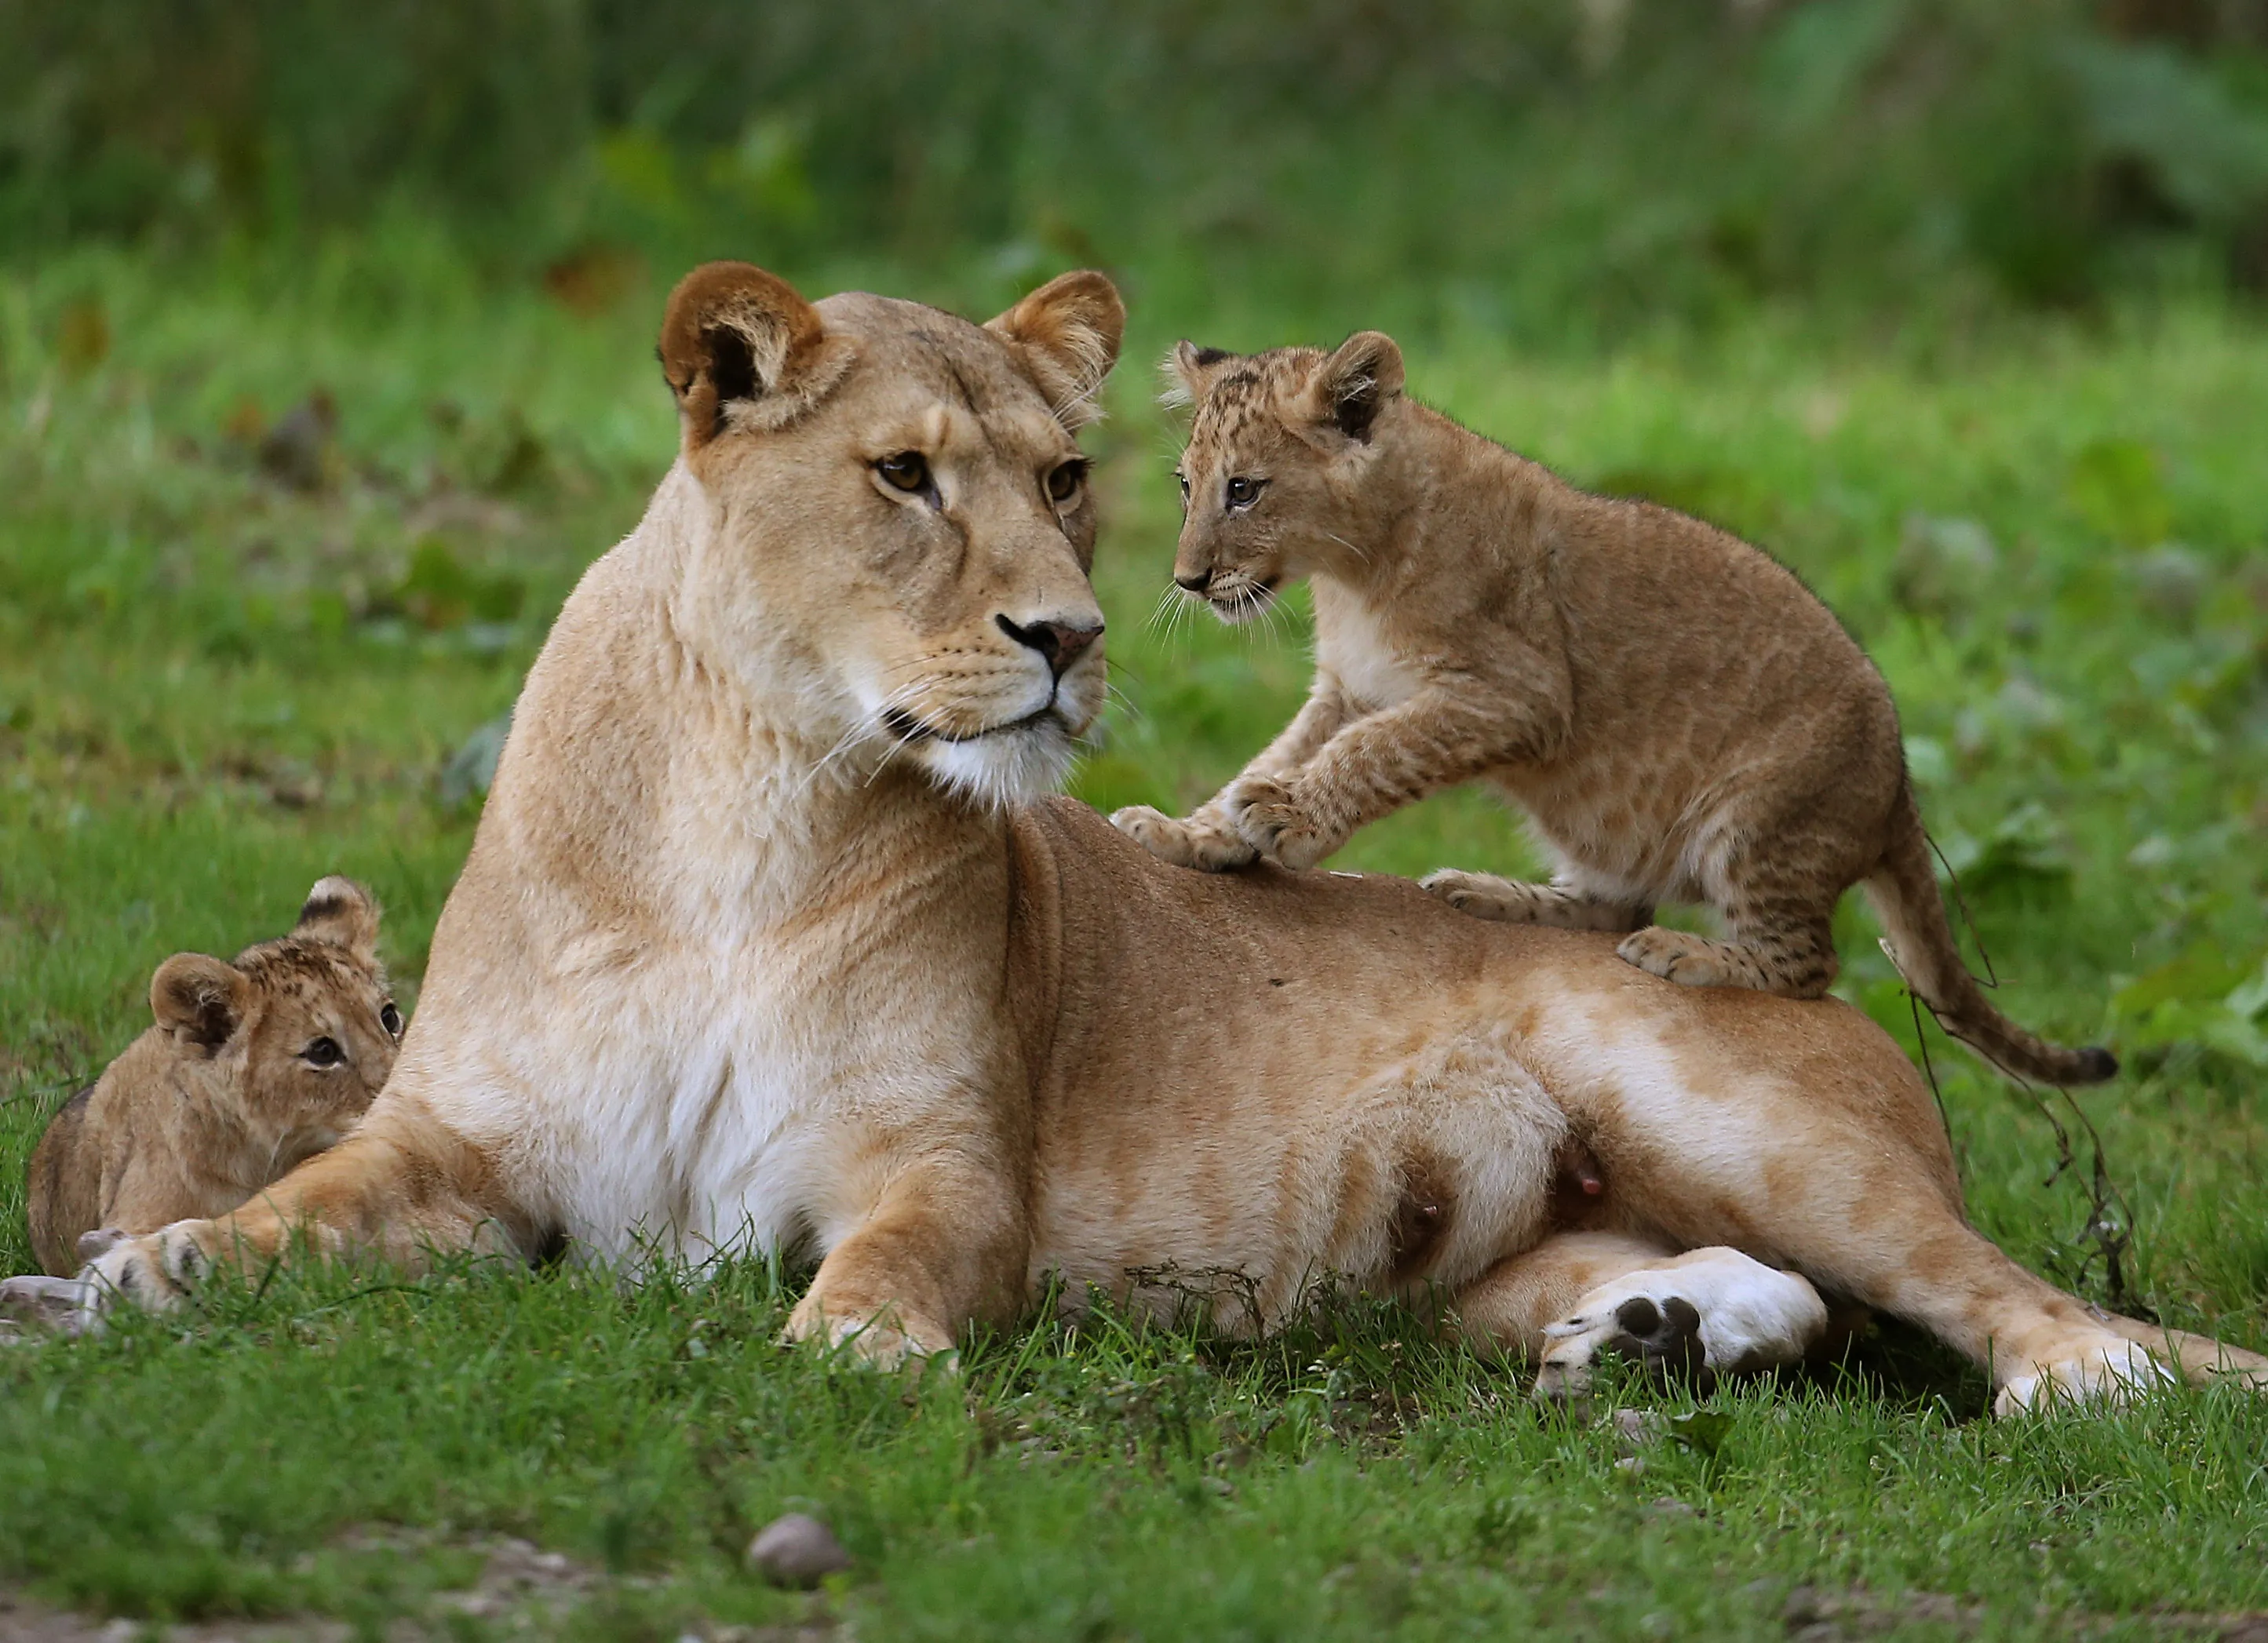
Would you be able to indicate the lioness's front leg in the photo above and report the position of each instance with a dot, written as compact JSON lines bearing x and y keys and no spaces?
{"x":945,"y":1244}
{"x":403,"y":1187}
{"x":1207,"y":838}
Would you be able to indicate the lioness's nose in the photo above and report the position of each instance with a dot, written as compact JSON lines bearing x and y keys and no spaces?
{"x":1058,"y":642}
{"x":1194,"y":583}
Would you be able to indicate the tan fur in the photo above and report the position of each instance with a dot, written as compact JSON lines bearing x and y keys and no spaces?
{"x":217,"y":1099}
{"x":1679,"y":716}
{"x":735,"y":964}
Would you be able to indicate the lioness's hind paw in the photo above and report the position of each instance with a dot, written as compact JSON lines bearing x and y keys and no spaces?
{"x":2113,"y":1371}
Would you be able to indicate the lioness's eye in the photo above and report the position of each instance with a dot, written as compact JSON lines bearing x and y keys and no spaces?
{"x":390,"y":1019}
{"x":1063,"y":481}
{"x":1243,"y":492}
{"x":322,"y":1052}
{"x":1184,"y":478}
{"x":908,"y":470}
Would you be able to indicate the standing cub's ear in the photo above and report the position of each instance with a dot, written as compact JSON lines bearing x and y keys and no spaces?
{"x":742,"y":349}
{"x":198,"y":999}
{"x":1067,"y":333}
{"x":1351,"y":387}
{"x":340,"y":912}
{"x":1195,"y":367}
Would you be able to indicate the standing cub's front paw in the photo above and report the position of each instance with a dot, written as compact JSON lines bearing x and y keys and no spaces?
{"x":1271,"y":819}
{"x":1201,"y":842}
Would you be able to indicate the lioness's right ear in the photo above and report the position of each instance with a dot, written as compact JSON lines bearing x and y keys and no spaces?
{"x":740,"y":348}
{"x":1195,"y":367}
{"x":340,"y":912}
{"x":199,"y":1000}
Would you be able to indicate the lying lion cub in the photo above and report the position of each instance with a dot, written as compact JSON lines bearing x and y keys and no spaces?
{"x":769,"y":940}
{"x":251,"y":1067}
{"x":1681,"y":720}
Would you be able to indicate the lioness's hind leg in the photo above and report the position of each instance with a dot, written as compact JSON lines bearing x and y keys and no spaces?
{"x":1510,"y":902}
{"x":1792,"y":956}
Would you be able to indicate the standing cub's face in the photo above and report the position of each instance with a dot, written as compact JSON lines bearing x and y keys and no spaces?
{"x":905,"y":512}
{"x":1272,"y":480}
{"x":302,"y":1030}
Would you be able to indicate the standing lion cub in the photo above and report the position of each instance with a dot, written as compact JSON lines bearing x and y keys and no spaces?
{"x":1681,"y":718}
{"x":250,"y":1068}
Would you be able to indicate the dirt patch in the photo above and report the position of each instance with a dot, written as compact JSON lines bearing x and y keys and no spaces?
{"x":1814,"y":1615}
{"x":522,"y":1591}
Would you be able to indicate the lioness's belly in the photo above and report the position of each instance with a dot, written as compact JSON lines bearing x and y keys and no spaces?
{"x":1284,"y":1074}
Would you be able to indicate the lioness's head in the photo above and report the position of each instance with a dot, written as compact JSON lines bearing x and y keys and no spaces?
{"x":903,"y":510}
{"x":302,"y":1029}
{"x":1272,"y":480}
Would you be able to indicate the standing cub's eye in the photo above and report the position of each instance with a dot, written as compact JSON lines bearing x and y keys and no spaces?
{"x":322,"y":1052}
{"x":1064,"y":479}
{"x":1242,"y":492}
{"x":908,"y":470}
{"x":390,"y":1019}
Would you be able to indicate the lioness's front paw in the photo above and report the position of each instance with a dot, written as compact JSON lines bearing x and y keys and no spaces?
{"x":1199,"y":842}
{"x":1712,"y":1310}
{"x":36,"y":1307}
{"x":882,"y":1340}
{"x":1270,"y":819}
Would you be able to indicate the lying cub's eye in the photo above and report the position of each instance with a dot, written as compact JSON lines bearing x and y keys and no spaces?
{"x":908,"y":470}
{"x":390,"y":1019}
{"x":1243,"y":492}
{"x":1064,"y":480}
{"x":322,"y":1052}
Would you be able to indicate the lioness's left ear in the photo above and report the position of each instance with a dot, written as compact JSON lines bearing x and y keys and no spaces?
{"x":741,"y":349}
{"x":1351,"y":387}
{"x":340,"y":912}
{"x":1067,"y":333}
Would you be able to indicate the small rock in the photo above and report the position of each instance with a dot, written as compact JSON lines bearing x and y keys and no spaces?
{"x":796,"y":1550}
{"x":1635,"y":1428}
{"x":1632,"y":1467}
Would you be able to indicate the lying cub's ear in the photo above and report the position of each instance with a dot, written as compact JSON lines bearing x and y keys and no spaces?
{"x":741,"y":349}
{"x":1067,"y":333}
{"x":200,"y":1000}
{"x":340,"y":912}
{"x":1349,"y":388}
{"x":1189,"y":371}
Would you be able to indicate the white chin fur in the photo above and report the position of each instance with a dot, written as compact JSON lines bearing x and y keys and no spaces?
{"x":1005,"y":769}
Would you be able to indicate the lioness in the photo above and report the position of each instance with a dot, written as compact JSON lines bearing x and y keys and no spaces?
{"x":250,"y":1066}
{"x":753,"y":951}
{"x":1678,"y":715}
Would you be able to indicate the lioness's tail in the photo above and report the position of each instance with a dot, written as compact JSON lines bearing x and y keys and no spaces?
{"x":1905,"y":896}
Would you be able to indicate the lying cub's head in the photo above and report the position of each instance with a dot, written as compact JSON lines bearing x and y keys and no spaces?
{"x":1273,"y":482}
{"x":300,"y":1030}
{"x":905,"y":516}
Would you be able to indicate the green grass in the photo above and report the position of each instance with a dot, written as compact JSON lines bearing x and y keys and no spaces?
{"x":213,"y":690}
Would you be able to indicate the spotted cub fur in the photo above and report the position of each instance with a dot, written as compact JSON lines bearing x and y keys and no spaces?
{"x":1679,"y":716}
{"x":249,"y":1068}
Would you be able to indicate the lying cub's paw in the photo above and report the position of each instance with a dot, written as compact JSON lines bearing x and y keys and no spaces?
{"x":31,"y":1309}
{"x":1272,"y":821}
{"x":1200,"y":841}
{"x":2108,"y":1370}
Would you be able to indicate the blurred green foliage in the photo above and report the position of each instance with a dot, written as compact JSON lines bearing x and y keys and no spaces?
{"x":1562,"y":169}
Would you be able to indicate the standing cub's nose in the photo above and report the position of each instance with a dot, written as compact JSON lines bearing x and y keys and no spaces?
{"x":1058,"y":642}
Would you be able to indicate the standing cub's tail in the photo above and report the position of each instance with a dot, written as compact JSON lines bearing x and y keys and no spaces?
{"x":1905,"y":896}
